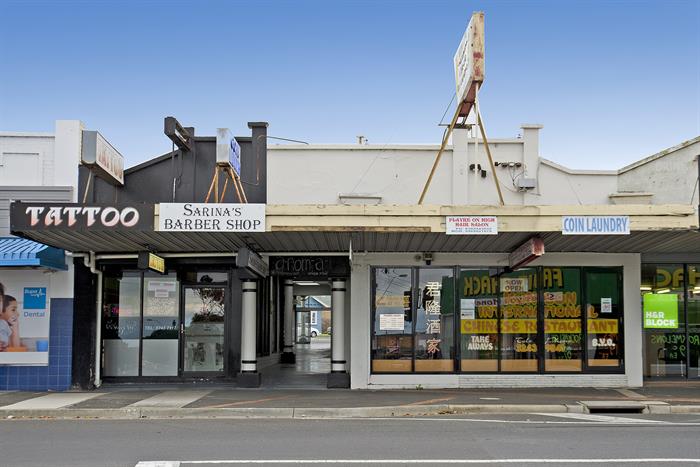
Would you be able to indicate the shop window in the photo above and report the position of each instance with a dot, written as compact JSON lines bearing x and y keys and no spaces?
{"x":121,"y":322}
{"x":533,"y":320}
{"x":434,"y":321}
{"x":561,"y":294}
{"x":478,"y":317}
{"x":392,"y":342}
{"x":161,"y":325}
{"x":604,"y":318}
{"x":663,"y":318}
{"x":693,"y":320}
{"x":518,"y":301}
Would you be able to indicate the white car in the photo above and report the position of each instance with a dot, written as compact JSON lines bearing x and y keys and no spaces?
{"x":314,"y":332}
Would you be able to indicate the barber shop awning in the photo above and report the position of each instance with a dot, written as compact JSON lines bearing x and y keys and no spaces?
{"x":20,"y":252}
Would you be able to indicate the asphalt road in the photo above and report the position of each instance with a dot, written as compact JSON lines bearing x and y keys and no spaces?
{"x":486,"y":440}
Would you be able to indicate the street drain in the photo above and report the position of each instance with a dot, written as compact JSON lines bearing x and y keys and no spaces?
{"x":616,"y":410}
{"x":614,"y":407}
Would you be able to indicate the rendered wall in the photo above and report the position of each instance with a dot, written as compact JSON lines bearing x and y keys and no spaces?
{"x":308,"y":174}
{"x":26,"y":159}
{"x":317,"y":175}
{"x":671,"y":178}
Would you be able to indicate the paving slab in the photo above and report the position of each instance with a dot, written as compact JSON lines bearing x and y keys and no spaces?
{"x":116,"y":399}
{"x":57,"y":400}
{"x":12,"y":397}
{"x":171,"y":399}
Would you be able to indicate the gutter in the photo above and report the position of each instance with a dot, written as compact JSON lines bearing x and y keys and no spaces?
{"x":89,"y":261}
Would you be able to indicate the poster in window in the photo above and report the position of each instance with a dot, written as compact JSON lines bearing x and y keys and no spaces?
{"x":24,"y":321}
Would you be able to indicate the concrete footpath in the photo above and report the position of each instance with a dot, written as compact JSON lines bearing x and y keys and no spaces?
{"x":195,"y":401}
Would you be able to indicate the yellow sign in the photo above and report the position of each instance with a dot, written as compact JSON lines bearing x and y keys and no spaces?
{"x":529,"y":326}
{"x":156,"y":263}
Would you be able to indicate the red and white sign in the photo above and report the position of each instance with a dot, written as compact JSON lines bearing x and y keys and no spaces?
{"x":469,"y":59}
{"x":525,"y":253}
{"x":471,"y":225}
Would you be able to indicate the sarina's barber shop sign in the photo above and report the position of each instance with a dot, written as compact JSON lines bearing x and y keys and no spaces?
{"x":215,"y":217}
{"x":73,"y":216}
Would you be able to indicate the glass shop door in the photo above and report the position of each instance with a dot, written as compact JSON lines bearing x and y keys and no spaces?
{"x":203,"y":318}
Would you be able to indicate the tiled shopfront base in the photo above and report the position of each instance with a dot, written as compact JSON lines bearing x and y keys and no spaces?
{"x":57,"y":375}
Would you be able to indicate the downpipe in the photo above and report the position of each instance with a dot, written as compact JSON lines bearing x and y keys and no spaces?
{"x":89,"y":260}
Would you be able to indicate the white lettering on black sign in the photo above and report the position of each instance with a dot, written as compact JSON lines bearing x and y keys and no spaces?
{"x":93,"y":215}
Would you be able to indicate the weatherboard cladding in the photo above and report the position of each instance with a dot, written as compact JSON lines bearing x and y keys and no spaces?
{"x":29,"y":194}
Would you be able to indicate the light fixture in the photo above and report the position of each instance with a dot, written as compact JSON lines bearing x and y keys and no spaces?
{"x":663,"y":291}
{"x":305,"y":283}
{"x":645,"y":287}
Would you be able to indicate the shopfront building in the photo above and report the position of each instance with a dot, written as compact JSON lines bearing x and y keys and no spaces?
{"x":37,"y":279}
{"x":415,"y":302}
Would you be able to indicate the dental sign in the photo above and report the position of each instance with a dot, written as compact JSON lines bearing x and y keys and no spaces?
{"x":42,"y":216}
{"x":211,"y":217}
{"x":595,"y":225}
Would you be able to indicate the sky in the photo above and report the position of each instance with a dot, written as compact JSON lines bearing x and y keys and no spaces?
{"x":611,"y":81}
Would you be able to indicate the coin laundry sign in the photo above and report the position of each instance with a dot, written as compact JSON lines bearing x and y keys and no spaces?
{"x":595,"y":225}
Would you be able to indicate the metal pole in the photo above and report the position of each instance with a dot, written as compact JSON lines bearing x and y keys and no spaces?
{"x":439,"y":154}
{"x":488,"y":150}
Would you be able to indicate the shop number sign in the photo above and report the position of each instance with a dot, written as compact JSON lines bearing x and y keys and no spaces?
{"x":660,"y":311}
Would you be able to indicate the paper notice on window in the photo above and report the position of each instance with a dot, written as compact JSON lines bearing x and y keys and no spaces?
{"x":515,"y":284}
{"x":467,"y":307}
{"x":606,"y":305}
{"x":391,"y":322}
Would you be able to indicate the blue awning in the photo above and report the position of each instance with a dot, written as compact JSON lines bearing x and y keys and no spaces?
{"x":20,"y":252}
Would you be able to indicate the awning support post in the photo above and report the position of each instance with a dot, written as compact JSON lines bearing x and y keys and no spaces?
{"x":288,"y":350}
{"x":249,"y":376}
{"x":338,"y":377}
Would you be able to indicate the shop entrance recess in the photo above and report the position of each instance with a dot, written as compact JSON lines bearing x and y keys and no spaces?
{"x":203,"y":330}
{"x":313,"y":295}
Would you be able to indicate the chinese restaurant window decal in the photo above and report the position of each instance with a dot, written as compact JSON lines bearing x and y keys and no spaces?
{"x":486,"y":320}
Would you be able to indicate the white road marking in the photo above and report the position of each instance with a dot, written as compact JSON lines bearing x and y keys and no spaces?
{"x":422,"y":461}
{"x":601,"y":418}
{"x":171,"y":399}
{"x":52,"y":401}
{"x":158,"y":464}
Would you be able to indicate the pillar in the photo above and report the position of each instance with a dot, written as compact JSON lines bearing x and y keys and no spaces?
{"x":288,"y":349}
{"x":338,"y":377}
{"x":249,"y":376}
